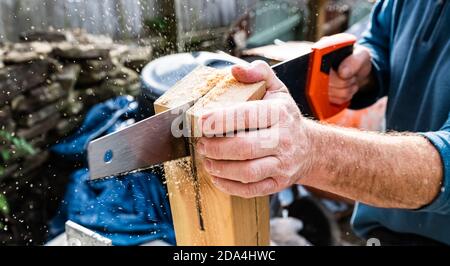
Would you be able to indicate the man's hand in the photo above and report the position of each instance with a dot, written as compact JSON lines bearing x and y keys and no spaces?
{"x":398,"y":171}
{"x":354,"y":73}
{"x":264,"y":161}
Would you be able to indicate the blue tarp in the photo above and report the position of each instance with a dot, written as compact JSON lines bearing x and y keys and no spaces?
{"x":129,"y":210}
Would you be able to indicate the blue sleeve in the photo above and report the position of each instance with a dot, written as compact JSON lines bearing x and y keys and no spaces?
{"x":441,"y":140}
{"x":378,"y":39}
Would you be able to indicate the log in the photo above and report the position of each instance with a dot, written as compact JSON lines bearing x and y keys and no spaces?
{"x":17,"y":79}
{"x":68,"y":76}
{"x":6,"y":120}
{"x":78,"y":52}
{"x":39,"y":129}
{"x":26,"y":52}
{"x":43,"y":36}
{"x":38,"y":98}
{"x":202,"y":214}
{"x":40,"y":115}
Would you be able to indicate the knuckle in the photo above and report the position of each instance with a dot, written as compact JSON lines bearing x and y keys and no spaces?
{"x":337,"y":93}
{"x":339,"y":101}
{"x":263,"y":66}
{"x":333,"y":89}
{"x":216,"y":167}
{"x":283,"y":113}
{"x":283,"y":182}
{"x":334,"y":82}
{"x":244,"y":149}
{"x":341,"y":93}
{"x":271,"y":185}
{"x":343,"y":83}
{"x":285,"y":142}
{"x":261,"y":63}
{"x":212,"y":149}
{"x":279,"y":165}
{"x":348,"y":93}
{"x":208,"y":148}
{"x":337,"y":83}
{"x":282,"y":108}
{"x":251,"y":172}
{"x":251,"y":150}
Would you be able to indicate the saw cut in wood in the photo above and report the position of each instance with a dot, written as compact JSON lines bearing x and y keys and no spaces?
{"x":202,"y":214}
{"x":191,"y":88}
{"x":225,"y":219}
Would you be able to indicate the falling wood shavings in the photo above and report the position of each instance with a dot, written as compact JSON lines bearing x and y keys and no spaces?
{"x":185,"y":164}
{"x":183,"y":168}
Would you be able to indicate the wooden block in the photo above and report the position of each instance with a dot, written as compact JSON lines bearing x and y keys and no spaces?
{"x":202,"y":214}
{"x":228,"y":220}
{"x":191,"y":88}
{"x":179,"y":178}
{"x":227,"y":92}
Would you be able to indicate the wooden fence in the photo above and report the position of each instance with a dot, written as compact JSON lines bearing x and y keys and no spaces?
{"x":121,"y":19}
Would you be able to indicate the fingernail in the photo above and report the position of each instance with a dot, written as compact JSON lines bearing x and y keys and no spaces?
{"x":345,"y":72}
{"x":200,"y":148}
{"x":241,"y":67}
{"x":208,"y":164}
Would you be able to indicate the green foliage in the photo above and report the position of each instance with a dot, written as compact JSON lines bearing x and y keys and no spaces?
{"x":4,"y":207}
{"x":13,"y":147}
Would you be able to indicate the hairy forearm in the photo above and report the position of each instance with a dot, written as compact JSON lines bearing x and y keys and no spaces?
{"x":382,"y":170}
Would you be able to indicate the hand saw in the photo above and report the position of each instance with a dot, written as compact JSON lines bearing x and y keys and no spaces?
{"x":150,"y":141}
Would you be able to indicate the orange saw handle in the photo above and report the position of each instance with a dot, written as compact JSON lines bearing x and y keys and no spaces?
{"x":327,"y":53}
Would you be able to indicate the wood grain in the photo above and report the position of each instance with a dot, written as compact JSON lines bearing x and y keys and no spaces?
{"x":228,"y":220}
{"x":202,"y":214}
{"x":191,"y":88}
{"x":178,"y":173}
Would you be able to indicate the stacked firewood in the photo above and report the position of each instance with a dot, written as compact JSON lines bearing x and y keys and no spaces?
{"x":47,"y":84}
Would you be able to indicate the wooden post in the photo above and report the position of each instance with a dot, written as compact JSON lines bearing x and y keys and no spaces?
{"x":202,"y":214}
{"x":168,"y":12}
{"x":317,"y":12}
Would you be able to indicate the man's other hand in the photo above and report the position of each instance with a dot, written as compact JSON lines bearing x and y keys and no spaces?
{"x":353,"y":73}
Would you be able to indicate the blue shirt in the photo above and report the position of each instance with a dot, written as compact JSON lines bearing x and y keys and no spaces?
{"x":410,"y":46}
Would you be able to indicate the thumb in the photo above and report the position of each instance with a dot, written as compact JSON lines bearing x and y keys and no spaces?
{"x":353,"y":64}
{"x":255,"y":72}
